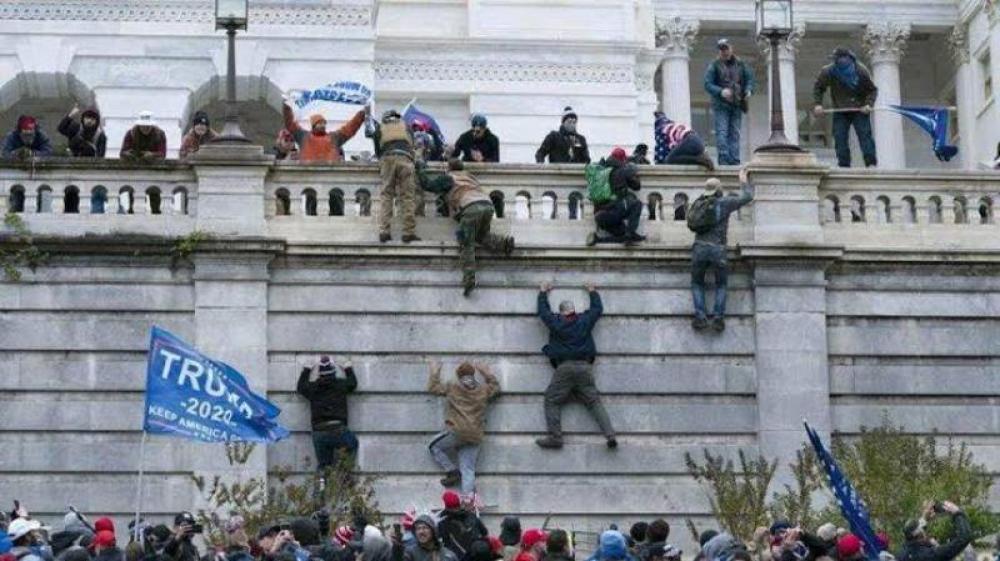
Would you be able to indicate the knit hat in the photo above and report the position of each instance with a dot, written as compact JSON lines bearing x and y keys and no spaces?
{"x":712,"y":184}
{"x":451,"y":499}
{"x":479,"y":120}
{"x":613,"y":545}
{"x":200,"y":118}
{"x":619,"y":154}
{"x":465,"y":369}
{"x":325,"y":365}
{"x":827,"y":532}
{"x":722,"y":43}
{"x":104,"y":538}
{"x":848,"y":546}
{"x":532,"y":537}
{"x":104,"y":524}
{"x":343,"y":535}
{"x":510,"y":531}
{"x":25,"y":122}
{"x":568,"y":113}
{"x":315,"y":119}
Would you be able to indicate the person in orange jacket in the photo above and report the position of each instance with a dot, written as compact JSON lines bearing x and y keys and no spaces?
{"x":318,"y":145}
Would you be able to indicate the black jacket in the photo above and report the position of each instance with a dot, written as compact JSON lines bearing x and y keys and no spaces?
{"x":563,"y":147}
{"x":181,"y":550}
{"x":451,"y":526}
{"x":919,"y":550}
{"x":488,"y":145}
{"x":570,"y":339}
{"x":84,"y":142}
{"x":327,"y":396}
{"x":624,"y":181}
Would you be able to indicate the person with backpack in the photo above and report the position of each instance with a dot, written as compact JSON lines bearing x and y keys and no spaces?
{"x":708,"y":218}
{"x":610,"y":186}
{"x":459,"y":528}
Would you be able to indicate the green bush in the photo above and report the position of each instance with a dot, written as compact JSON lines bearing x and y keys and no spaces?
{"x":738,"y":498}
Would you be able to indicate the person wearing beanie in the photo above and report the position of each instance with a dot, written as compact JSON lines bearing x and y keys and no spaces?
{"x":145,"y":141}
{"x":510,"y":535}
{"x":851,"y":87}
{"x":317,"y":145}
{"x":470,"y":205}
{"x":459,"y":528}
{"x":26,"y":141}
{"x":708,"y":218}
{"x":612,"y":547}
{"x":478,"y":144}
{"x":571,"y":351}
{"x":729,"y":82}
{"x":557,"y":547}
{"x":326,"y":386}
{"x":200,"y":133}
{"x":428,"y":546}
{"x":394,"y":146}
{"x":678,"y":144}
{"x":86,"y":137}
{"x":640,"y":156}
{"x":564,"y":146}
{"x":285,"y":147}
{"x":619,"y":216}
{"x":918,"y":544}
{"x":466,"y":403}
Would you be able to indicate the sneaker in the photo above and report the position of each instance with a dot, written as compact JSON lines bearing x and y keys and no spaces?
{"x":635,"y":237}
{"x":452,"y":479}
{"x":699,"y":323}
{"x":410,"y":238}
{"x":384,"y":237}
{"x":591,"y":239}
{"x":612,"y":443}
{"x":718,"y":324}
{"x":553,"y":442}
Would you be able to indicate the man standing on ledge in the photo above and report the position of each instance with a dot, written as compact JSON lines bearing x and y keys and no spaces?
{"x":571,"y":351}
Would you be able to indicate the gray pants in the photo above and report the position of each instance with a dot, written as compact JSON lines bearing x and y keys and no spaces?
{"x":444,"y":445}
{"x":574,"y":378}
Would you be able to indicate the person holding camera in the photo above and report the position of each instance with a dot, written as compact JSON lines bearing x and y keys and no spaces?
{"x":326,"y":386}
{"x":920,"y":547}
{"x":180,"y":546}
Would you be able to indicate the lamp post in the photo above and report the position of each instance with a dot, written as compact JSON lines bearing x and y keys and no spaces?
{"x":231,"y":15}
{"x":774,"y":22}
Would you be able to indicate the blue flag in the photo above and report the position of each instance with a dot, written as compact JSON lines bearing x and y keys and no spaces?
{"x":852,"y":506}
{"x":412,"y":114}
{"x":192,"y":396}
{"x":934,"y":120}
{"x":351,"y":93}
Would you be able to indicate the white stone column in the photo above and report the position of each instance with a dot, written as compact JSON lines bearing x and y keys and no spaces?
{"x":675,"y":36}
{"x":965,"y":96}
{"x":993,"y":13}
{"x":885,"y":42}
{"x":787,"y":50}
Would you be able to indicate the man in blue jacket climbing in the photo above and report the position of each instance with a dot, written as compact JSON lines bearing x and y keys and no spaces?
{"x":571,"y":351}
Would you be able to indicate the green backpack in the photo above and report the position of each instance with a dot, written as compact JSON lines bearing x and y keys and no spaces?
{"x":701,"y":217}
{"x":598,"y":183}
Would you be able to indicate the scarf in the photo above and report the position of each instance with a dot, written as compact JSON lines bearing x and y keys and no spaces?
{"x":847,"y":74}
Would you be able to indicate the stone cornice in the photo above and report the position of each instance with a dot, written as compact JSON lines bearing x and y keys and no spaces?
{"x":262,"y":12}
{"x":788,"y":48}
{"x":885,"y":41}
{"x":465,"y":71}
{"x":676,"y":35}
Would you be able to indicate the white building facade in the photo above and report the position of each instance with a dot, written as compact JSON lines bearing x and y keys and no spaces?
{"x":520,"y":62}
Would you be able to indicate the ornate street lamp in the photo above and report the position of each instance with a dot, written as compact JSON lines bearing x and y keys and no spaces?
{"x":231,"y":15}
{"x":774,"y":22}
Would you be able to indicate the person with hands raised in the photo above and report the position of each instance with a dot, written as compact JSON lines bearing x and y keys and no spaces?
{"x":920,"y":547}
{"x":326,"y":386}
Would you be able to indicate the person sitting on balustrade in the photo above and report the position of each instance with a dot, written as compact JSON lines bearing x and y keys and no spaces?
{"x":145,"y":141}
{"x":86,"y":137}
{"x":619,"y":215}
{"x":678,"y":144}
{"x":26,"y":141}
{"x":317,"y":145}
{"x":201,"y":133}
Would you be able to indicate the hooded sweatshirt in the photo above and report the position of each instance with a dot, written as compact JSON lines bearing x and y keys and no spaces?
{"x":465,"y":415}
{"x":435,"y":551}
{"x":84,"y":142}
{"x":612,"y":548}
{"x":841,"y":93}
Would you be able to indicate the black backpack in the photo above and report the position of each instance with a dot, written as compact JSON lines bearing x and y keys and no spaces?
{"x":702,"y":215}
{"x":460,"y":534}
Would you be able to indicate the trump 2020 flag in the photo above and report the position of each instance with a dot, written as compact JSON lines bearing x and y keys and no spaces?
{"x":934,"y":120}
{"x":332,"y":101}
{"x":193,"y":396}
{"x":412,"y":114}
{"x":852,"y":506}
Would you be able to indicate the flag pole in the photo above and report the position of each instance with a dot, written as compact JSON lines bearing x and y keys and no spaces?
{"x":856,"y":109}
{"x":138,"y":492}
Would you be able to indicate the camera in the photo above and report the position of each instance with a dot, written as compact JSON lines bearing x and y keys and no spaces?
{"x":197,"y":529}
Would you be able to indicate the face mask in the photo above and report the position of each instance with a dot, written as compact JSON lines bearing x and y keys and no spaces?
{"x":569,"y":126}
{"x":27,"y":137}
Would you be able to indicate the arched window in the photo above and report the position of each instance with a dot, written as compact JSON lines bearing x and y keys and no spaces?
{"x":654,"y":206}
{"x":336,"y":202}
{"x":680,"y":206}
{"x":363,"y":202}
{"x":98,"y":200}
{"x":71,"y":200}
{"x":831,"y":209}
{"x":884,"y":210}
{"x":44,"y":201}
{"x":15,"y":199}
{"x":549,"y":206}
{"x":154,"y":201}
{"x":909,"y":210}
{"x":282,"y":202}
{"x":497,"y":198}
{"x":522,"y":206}
{"x":857,"y":209}
{"x":575,"y":206}
{"x":180,"y":200}
{"x":961,"y":210}
{"x":934,"y":215}
{"x":309,"y":202}
{"x":126,"y":198}
{"x":985,"y":210}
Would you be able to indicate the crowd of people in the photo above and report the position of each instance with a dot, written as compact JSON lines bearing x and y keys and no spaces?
{"x":454,"y":532}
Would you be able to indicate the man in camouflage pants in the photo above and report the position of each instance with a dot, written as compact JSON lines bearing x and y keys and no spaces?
{"x":469,"y":204}
{"x":394,"y":147}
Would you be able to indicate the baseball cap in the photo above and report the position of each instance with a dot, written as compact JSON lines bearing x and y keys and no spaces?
{"x":722,"y":43}
{"x":533,"y":536}
{"x":848,"y":546}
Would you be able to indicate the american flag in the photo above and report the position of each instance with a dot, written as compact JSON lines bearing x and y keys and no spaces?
{"x":852,"y":506}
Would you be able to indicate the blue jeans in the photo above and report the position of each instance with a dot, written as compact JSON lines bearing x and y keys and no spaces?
{"x":705,"y":256}
{"x":329,"y":443}
{"x":444,"y":445}
{"x":862,"y":123}
{"x":728,"y":119}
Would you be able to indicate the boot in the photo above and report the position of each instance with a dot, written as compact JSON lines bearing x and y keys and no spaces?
{"x":699,"y":323}
{"x":591,"y":239}
{"x":706,"y":162}
{"x":718,"y":324}
{"x":553,"y":442}
{"x":468,"y":283}
{"x":508,"y":245}
{"x":452,"y":479}
{"x":384,"y":237}
{"x":612,"y":443}
{"x":410,"y":238}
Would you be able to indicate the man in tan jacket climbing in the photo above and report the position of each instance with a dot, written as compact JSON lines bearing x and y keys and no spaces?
{"x":465,"y":419}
